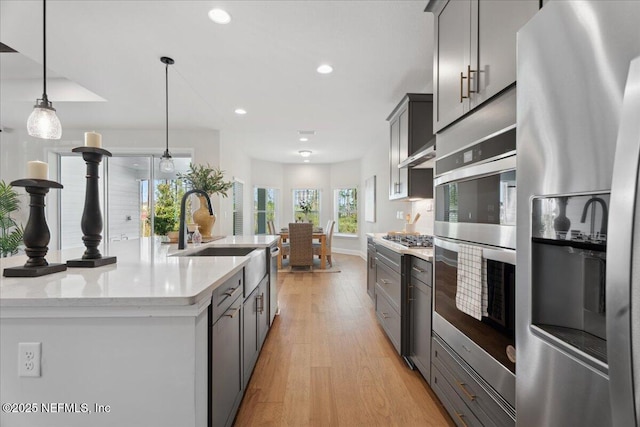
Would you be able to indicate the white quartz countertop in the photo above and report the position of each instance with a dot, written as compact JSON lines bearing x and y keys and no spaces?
{"x":145,"y":275}
{"x":423,"y":253}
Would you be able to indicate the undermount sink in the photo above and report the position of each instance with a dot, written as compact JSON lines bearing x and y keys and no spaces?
{"x":213,"y":251}
{"x":254,"y":270}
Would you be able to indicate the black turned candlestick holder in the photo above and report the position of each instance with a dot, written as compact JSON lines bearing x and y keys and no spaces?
{"x":36,"y":233}
{"x":91,"y":222}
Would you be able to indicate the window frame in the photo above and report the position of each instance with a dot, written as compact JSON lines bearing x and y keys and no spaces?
{"x":336,"y":212}
{"x":314,"y":213}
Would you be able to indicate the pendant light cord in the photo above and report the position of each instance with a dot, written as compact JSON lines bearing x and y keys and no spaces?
{"x":167,"y":105}
{"x":44,"y":49}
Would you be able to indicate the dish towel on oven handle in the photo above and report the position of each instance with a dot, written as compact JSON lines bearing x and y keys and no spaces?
{"x":472,"y":291}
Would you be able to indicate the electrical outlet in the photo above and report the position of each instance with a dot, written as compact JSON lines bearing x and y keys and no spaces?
{"x":29,"y":359}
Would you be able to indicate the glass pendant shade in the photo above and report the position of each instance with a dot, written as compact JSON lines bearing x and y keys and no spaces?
{"x":166,"y":163}
{"x":43,"y":122}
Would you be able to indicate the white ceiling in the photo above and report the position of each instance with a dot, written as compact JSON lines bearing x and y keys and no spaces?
{"x":106,"y":73}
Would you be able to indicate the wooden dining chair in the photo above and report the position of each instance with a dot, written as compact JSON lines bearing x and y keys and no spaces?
{"x":300,"y":244}
{"x":317,"y":247}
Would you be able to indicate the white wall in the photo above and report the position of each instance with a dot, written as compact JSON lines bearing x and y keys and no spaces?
{"x":376,"y":162}
{"x":236,"y":164}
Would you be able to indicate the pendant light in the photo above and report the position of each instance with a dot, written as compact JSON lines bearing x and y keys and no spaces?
{"x":43,"y":122}
{"x":166,"y":162}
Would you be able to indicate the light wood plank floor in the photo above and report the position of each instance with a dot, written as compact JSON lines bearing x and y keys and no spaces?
{"x":327,"y":362}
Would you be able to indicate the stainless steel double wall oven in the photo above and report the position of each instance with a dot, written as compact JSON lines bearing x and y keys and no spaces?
{"x":476,"y":207}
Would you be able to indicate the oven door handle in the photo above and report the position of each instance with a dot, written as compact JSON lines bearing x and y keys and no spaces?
{"x":507,"y":256}
{"x":479,"y":170}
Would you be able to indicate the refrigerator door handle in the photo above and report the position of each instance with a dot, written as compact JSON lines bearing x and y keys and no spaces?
{"x":623,"y":301}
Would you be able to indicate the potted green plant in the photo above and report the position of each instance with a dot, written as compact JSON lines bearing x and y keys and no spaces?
{"x":10,"y":231}
{"x":211,"y":181}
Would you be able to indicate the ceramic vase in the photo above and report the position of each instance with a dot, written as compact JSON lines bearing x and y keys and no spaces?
{"x":203,"y":219}
{"x":561,"y":223}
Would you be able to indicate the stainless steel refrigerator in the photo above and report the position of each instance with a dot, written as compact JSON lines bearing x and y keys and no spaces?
{"x":578,"y":144}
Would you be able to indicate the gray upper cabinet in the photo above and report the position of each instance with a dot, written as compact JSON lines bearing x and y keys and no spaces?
{"x":451,"y":58}
{"x":411,"y":129}
{"x":475,"y":52}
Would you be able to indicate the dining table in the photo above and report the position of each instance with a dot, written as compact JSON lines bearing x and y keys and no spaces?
{"x":316,"y":235}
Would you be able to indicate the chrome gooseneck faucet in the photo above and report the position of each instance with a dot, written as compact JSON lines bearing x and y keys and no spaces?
{"x":181,"y":241}
{"x":605,"y":214}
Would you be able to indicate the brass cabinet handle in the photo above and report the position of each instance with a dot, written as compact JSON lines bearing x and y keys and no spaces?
{"x":385,"y":281}
{"x":460,"y":417}
{"x":232,"y":315}
{"x":469,"y":71}
{"x":419,"y":270}
{"x":470,"y":396}
{"x":462,"y":77}
{"x":385,"y":315}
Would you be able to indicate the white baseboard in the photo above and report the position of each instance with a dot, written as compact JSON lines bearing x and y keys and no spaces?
{"x":349,"y":252}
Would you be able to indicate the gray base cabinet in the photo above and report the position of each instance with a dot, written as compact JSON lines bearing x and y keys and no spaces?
{"x":419,"y":290}
{"x":255,"y":326}
{"x":237,"y":330}
{"x":225,"y":351}
{"x":388,"y":294}
{"x":371,"y":268}
{"x":469,"y":400}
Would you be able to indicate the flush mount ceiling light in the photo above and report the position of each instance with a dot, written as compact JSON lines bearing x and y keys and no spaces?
{"x":240,"y":111}
{"x":304,"y":153}
{"x":325,"y":69}
{"x":43,"y":121}
{"x":219,"y":16}
{"x":166,"y":162}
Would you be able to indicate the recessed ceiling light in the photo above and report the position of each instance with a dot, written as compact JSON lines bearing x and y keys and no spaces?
{"x":240,"y":111}
{"x":325,"y":69}
{"x":219,"y":16}
{"x":306,"y":160}
{"x":303,"y":139}
{"x":304,"y":153}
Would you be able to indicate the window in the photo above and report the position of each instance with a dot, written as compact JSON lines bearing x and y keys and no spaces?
{"x":346,"y":210}
{"x":134,"y":194}
{"x":306,"y":205}
{"x":238,"y":211}
{"x":264,"y":208}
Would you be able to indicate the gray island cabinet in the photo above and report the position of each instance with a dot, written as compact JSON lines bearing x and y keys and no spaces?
{"x":141,"y":337}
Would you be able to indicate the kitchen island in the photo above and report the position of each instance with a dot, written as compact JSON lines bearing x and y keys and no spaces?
{"x":124,"y":344}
